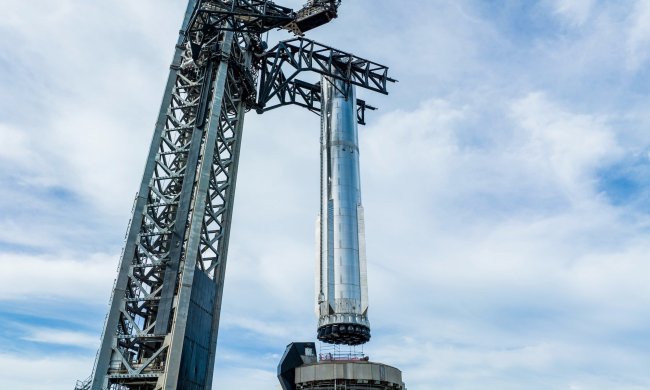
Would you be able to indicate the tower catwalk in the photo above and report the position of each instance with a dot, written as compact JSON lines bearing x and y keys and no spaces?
{"x":342,"y":303}
{"x":162,"y":325}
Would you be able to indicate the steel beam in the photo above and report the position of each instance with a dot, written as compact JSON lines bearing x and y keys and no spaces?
{"x":247,"y":16}
{"x":284,"y":62}
{"x":308,"y":95}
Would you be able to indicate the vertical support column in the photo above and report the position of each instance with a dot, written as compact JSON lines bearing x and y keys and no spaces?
{"x":218,"y":220}
{"x":189,"y":369}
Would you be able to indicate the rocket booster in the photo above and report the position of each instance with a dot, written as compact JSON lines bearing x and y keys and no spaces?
{"x":342,"y":289}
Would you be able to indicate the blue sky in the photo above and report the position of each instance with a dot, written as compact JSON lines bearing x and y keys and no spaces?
{"x":504,"y":181}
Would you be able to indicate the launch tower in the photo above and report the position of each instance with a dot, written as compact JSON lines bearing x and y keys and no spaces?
{"x":163,"y":320}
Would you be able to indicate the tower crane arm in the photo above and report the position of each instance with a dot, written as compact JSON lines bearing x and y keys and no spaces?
{"x":308,"y":95}
{"x":284,"y":62}
{"x":314,"y":14}
{"x":259,"y":16}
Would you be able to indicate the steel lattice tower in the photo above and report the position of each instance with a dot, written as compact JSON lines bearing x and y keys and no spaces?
{"x":162,"y":325}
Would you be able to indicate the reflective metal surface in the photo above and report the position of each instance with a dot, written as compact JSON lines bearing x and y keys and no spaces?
{"x":342,"y":294}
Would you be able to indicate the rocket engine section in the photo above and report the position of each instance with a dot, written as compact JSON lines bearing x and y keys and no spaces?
{"x":342,"y":288}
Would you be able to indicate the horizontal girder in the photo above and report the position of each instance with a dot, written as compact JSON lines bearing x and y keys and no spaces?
{"x":252,"y":16}
{"x":308,"y":95}
{"x":284,"y":62}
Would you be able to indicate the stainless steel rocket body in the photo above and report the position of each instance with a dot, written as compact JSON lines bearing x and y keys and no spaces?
{"x":342,"y":289}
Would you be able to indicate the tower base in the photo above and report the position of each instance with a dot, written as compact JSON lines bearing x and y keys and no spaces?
{"x":299,"y":370}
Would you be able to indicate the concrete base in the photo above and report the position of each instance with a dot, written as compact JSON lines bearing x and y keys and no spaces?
{"x":349,"y":375}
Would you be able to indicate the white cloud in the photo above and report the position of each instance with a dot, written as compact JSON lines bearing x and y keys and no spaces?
{"x":61,"y":337}
{"x":606,"y":39}
{"x":42,"y":372}
{"x":463,"y":366}
{"x":87,"y":134}
{"x":14,"y":144}
{"x":638,"y":39}
{"x":243,"y":378}
{"x":562,"y":144}
{"x":65,"y":277}
{"x":575,"y":11}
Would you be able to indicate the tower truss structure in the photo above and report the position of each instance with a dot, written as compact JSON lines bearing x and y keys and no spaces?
{"x":162,"y":325}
